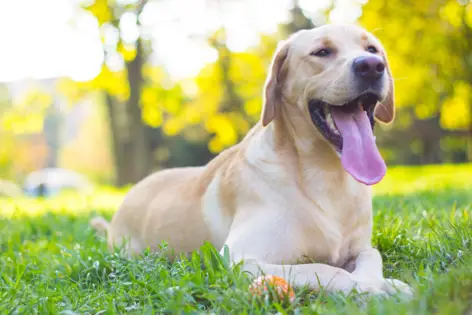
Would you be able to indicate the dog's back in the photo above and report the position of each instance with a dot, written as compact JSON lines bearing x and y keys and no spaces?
{"x":166,"y":206}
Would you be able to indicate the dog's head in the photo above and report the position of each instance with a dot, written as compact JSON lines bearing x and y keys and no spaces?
{"x":337,"y":77}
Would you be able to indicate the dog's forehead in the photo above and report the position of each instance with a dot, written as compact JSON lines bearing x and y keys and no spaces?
{"x":333,"y":34}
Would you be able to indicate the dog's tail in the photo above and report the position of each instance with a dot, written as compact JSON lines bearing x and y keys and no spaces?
{"x":100,"y":225}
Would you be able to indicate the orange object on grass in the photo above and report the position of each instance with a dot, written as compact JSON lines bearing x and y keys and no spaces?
{"x":272,"y":284}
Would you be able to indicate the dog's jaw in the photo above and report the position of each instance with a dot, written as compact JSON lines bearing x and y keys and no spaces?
{"x":320,"y":113}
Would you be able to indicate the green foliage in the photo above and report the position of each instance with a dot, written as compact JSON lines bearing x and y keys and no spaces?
{"x":429,"y":53}
{"x":27,"y":114}
{"x":211,"y":109}
{"x":52,"y":262}
{"x":429,"y":49}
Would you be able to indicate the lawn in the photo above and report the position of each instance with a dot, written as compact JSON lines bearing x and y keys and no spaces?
{"x":52,"y":263}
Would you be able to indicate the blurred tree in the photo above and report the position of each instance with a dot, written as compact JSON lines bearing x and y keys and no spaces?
{"x":22,"y":117}
{"x":298,"y":20}
{"x":229,"y":97}
{"x":6,"y":139}
{"x":158,"y":123}
{"x":431,"y":61}
{"x":224,"y":99}
{"x":52,"y":132}
{"x":122,"y":87}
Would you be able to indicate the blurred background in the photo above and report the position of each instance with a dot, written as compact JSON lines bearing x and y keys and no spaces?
{"x":106,"y":92}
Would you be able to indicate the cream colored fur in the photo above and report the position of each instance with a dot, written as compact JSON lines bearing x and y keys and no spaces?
{"x":280,"y":199}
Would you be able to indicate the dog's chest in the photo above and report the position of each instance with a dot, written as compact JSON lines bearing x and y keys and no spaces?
{"x":335,"y":219}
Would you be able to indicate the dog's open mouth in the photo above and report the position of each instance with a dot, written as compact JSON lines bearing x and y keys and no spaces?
{"x":349,"y":128}
{"x":323,"y":119}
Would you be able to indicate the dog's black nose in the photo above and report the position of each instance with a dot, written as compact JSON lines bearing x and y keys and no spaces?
{"x":369,"y":68}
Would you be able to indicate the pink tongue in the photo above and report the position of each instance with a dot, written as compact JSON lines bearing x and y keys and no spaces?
{"x":360,"y":156}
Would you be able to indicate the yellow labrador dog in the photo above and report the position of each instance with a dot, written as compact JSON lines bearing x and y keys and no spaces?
{"x":293,"y":198}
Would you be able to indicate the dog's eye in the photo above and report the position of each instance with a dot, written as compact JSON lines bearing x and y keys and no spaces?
{"x":372,"y":49}
{"x":323,"y":52}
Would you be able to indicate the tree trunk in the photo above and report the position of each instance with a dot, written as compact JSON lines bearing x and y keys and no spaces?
{"x":467,"y":61}
{"x":298,"y":20}
{"x":142,"y":159}
{"x":52,"y":130}
{"x":431,"y":151}
{"x":120,"y":143}
{"x":131,"y":137}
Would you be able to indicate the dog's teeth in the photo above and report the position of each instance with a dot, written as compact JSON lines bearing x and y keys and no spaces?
{"x":326,"y":111}
{"x":331,"y":125}
{"x":329,"y":120}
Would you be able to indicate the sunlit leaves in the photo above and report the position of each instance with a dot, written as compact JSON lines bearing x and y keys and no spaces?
{"x":154,"y":75}
{"x":101,"y":11}
{"x":253,"y":107}
{"x":162,"y":103}
{"x":424,"y":110}
{"x":191,"y":115}
{"x":422,"y":60}
{"x":208,"y":107}
{"x":249,"y":71}
{"x":173,"y":126}
{"x":7,"y":155}
{"x":451,"y":12}
{"x":205,"y":106}
{"x":468,"y":15}
{"x":127,"y":51}
{"x":426,"y":56}
{"x":69,"y":89}
{"x":456,"y":109}
{"x":22,"y":123}
{"x":27,"y":113}
{"x":152,"y":116}
{"x":115,"y":83}
{"x":224,"y":131}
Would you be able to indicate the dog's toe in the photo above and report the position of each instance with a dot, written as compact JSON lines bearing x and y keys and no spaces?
{"x":394,"y":286}
{"x":370,"y":288}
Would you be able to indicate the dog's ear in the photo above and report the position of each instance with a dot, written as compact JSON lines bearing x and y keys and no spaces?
{"x":272,"y":92}
{"x":385,"y":111}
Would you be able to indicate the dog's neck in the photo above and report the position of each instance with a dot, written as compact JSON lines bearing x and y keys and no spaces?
{"x":291,"y":140}
{"x":289,"y":146}
{"x":292,"y":130}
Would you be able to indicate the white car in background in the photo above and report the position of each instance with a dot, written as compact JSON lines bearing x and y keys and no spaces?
{"x":48,"y":182}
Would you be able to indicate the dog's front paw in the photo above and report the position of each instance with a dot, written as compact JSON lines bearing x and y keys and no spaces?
{"x":383,"y":287}
{"x":370,"y":287}
{"x":394,"y":286}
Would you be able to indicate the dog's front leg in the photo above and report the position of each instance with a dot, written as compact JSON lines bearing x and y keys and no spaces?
{"x":315,"y":276}
{"x":258,"y":240}
{"x":369,"y":264}
{"x":369,"y":269}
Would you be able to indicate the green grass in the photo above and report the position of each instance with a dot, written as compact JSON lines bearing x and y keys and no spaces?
{"x":51,"y":262}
